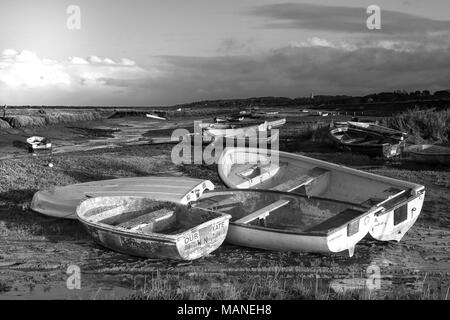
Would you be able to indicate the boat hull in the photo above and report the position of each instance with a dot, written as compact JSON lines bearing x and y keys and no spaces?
{"x":276,"y":240}
{"x":386,"y":226}
{"x":435,"y":154}
{"x":386,"y":150}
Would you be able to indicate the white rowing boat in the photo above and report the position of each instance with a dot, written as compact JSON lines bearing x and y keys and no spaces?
{"x":396,"y":204}
{"x":153,"y":229}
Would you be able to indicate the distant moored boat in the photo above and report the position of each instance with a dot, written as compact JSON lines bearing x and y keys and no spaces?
{"x":430,"y":153}
{"x":348,"y":137}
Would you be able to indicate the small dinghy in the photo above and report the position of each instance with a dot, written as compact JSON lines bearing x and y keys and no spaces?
{"x":371,"y":143}
{"x":429,"y":153}
{"x":61,"y":202}
{"x":400,"y":201}
{"x":39,"y":143}
{"x":284,"y":221}
{"x":373,"y":127}
{"x":153,"y":229}
{"x":211,"y":134}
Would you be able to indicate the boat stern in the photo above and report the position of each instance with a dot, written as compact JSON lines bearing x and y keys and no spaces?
{"x":203,"y":239}
{"x":394,"y":223}
{"x":349,"y":235}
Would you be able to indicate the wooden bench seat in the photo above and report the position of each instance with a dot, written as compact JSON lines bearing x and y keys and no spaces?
{"x":336,"y":221}
{"x":151,"y":222}
{"x":255,"y":174}
{"x":302,"y":180}
{"x":263,"y":212}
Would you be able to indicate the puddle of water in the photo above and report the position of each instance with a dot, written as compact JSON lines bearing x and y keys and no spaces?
{"x":60,"y":291}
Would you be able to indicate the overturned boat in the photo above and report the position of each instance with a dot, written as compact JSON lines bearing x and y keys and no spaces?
{"x":395,"y":204}
{"x":372,"y":143}
{"x":61,"y":202}
{"x":428,"y":153}
{"x":153,"y":229}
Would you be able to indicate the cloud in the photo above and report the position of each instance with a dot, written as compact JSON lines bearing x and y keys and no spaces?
{"x":343,"y":19}
{"x":25,"y":78}
{"x":316,"y":65}
{"x":233,"y":46}
{"x":388,"y":44}
{"x":25,"y":69}
{"x":297,"y":71}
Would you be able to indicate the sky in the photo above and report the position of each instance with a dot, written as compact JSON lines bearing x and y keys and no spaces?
{"x":155,"y":52}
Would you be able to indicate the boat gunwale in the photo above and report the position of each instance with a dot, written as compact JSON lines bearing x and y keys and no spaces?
{"x":371,"y":176}
{"x":420,"y":152}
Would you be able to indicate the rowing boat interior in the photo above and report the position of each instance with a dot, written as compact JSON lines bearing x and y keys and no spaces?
{"x":281,"y":211}
{"x":145,"y":216}
{"x":252,"y":170}
{"x":348,"y":135}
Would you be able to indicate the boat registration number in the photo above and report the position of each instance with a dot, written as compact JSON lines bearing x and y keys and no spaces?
{"x":205,"y":235}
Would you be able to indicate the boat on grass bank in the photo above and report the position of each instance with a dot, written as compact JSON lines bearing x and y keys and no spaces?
{"x":367,"y":142}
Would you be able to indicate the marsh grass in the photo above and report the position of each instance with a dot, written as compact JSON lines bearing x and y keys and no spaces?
{"x":43,"y":118}
{"x":268,"y":286}
{"x":424,"y":126}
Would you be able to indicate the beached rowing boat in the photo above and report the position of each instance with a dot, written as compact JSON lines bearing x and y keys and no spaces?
{"x":282,"y":221}
{"x":429,"y":153}
{"x":367,"y":142}
{"x":153,"y":229}
{"x":400,"y":201}
{"x":61,"y":202}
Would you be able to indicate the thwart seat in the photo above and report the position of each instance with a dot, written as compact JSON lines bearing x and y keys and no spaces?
{"x":313,"y":175}
{"x":336,"y":221}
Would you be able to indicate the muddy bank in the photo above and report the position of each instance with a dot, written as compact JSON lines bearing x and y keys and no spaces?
{"x":36,"y":251}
